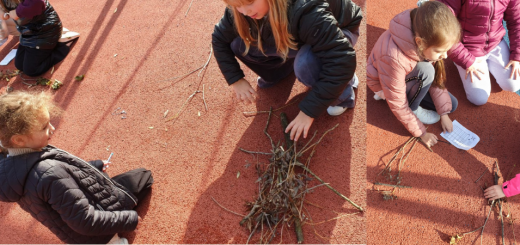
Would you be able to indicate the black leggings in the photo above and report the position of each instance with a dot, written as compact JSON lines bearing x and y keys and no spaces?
{"x":35,"y":62}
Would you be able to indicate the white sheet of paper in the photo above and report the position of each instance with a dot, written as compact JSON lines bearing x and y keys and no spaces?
{"x":461,"y":137}
{"x":10,"y":56}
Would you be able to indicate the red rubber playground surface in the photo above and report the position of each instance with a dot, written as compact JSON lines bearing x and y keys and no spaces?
{"x":129,"y":51}
{"x":444,"y":198}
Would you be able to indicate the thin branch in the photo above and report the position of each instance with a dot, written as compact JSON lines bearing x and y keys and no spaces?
{"x":254,"y":113}
{"x":480,"y":177}
{"x":395,"y":186}
{"x":335,"y":218}
{"x":241,"y":215}
{"x":203,"y":98}
{"x":182,"y":107}
{"x":188,"y":9}
{"x":255,"y":152}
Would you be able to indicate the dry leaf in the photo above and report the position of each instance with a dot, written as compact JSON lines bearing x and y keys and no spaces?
{"x":199,"y":113}
{"x":150,"y":127}
{"x":79,"y":78}
{"x":115,"y":11}
{"x":166,"y":113}
{"x":115,"y":55}
{"x":238,"y":174}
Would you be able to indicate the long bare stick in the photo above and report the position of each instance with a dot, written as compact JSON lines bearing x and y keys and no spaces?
{"x":254,"y":113}
{"x":396,"y":154}
{"x":317,"y":142}
{"x":183,"y":106}
{"x":484,"y":226}
{"x":255,"y":152}
{"x":204,"y":99}
{"x":241,"y":215}
{"x":395,"y":186}
{"x":207,"y":61}
{"x":330,"y":187}
{"x":502,"y":221}
{"x":188,"y":9}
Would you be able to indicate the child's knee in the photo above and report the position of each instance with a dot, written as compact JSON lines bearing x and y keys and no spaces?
{"x":307,"y":66}
{"x":426,"y":71}
{"x":510,"y":85}
{"x":454,"y":104}
{"x":478,"y":97}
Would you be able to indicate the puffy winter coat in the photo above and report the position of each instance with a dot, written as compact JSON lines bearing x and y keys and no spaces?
{"x":40,"y":31}
{"x":481,"y":22}
{"x":314,"y":22}
{"x":394,"y":56}
{"x":512,"y":187}
{"x":71,"y":197}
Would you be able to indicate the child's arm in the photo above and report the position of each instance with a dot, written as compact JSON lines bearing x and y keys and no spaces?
{"x":508,"y":189}
{"x":223,"y":34}
{"x":513,"y":26}
{"x":29,"y":8}
{"x":442,"y":100}
{"x":65,"y":196}
{"x":458,"y":53}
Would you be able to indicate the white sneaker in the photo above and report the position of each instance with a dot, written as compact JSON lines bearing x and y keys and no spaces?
{"x":336,"y":110}
{"x":427,"y":116}
{"x":118,"y":240}
{"x":67,"y":35}
{"x":354,"y":81}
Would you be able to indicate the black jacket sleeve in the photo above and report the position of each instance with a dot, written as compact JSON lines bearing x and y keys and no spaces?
{"x":223,"y":34}
{"x":97,"y":164}
{"x":316,"y":26}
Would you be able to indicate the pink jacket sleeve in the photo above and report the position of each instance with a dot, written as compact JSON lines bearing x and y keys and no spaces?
{"x":441,"y":99}
{"x":512,"y":18}
{"x":30,"y":8}
{"x":458,"y":53}
{"x":512,"y":187}
{"x":392,"y":76}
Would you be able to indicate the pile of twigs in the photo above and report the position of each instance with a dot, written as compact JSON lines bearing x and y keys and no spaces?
{"x":282,"y":189}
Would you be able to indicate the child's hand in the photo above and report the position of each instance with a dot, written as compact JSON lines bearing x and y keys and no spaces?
{"x":245,"y":93}
{"x":106,"y":164}
{"x":429,"y":139}
{"x":515,"y":69}
{"x":494,"y":192}
{"x":300,"y":124}
{"x":473,"y":70}
{"x":446,"y":123}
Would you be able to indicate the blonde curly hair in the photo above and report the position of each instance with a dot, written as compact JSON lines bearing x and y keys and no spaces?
{"x":19,"y":112}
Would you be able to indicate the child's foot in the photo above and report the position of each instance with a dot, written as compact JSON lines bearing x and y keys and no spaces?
{"x":427,"y":116}
{"x":263,"y":84}
{"x":67,"y":35}
{"x":336,"y":110}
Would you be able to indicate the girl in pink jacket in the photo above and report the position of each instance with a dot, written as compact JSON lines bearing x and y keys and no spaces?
{"x":401,"y":68}
{"x":483,"y":49}
{"x":509,"y":188}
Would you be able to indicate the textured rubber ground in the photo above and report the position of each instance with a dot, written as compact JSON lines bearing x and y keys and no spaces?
{"x":444,"y":199}
{"x":129,"y":51}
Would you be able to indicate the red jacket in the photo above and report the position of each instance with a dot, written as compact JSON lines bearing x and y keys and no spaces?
{"x":393,"y":57}
{"x":512,"y":187}
{"x":481,"y":22}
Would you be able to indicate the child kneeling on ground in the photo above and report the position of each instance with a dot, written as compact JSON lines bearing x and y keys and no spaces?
{"x":75,"y":199}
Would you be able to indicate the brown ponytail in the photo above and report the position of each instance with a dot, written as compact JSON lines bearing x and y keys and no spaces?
{"x":436,"y":25}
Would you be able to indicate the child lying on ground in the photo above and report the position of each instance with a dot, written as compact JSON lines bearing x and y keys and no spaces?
{"x":75,"y":199}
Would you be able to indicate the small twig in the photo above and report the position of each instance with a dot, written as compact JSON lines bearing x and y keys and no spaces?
{"x":266,"y":126}
{"x":209,"y":58}
{"x":254,"y":113}
{"x":182,"y":107}
{"x":480,"y":177}
{"x":396,"y":186}
{"x":188,"y":9}
{"x":484,"y":226}
{"x":427,"y":146}
{"x":204,"y":99}
{"x":241,"y":215}
{"x":395,"y":155}
{"x":502,"y":221}
{"x":255,"y":152}
{"x":317,"y":142}
{"x":335,"y":218}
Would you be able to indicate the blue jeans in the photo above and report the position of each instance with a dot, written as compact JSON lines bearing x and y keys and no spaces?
{"x":418,"y":82}
{"x":305,"y":64}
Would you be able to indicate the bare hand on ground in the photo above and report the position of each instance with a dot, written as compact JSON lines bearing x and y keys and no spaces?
{"x":13,"y":14}
{"x":106,"y":164}
{"x":446,"y":123}
{"x":299,"y":125}
{"x":494,"y":192}
{"x":515,"y":69}
{"x":429,"y":139}
{"x":472,"y":70}
{"x":245,"y":93}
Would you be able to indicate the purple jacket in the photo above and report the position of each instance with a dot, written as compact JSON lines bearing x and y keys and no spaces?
{"x":481,"y":22}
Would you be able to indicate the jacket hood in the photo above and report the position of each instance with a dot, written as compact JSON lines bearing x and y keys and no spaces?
{"x":402,"y":34}
{"x":15,"y":170}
